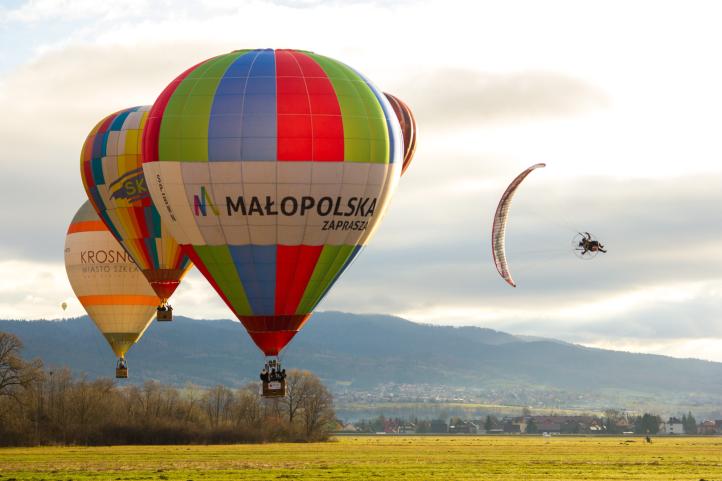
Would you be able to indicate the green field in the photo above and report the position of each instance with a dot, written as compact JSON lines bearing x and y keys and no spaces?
{"x":382,"y":457}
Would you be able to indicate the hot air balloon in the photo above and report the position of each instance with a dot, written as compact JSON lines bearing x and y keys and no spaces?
{"x":408,"y":128}
{"x":112,"y":173}
{"x":272,"y":169}
{"x":498,"y":232}
{"x":108,"y":284}
{"x":64,"y":305}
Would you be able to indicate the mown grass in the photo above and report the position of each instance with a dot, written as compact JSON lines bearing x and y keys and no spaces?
{"x":362,"y":458}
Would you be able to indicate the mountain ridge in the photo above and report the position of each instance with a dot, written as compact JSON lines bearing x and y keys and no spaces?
{"x":362,"y":351}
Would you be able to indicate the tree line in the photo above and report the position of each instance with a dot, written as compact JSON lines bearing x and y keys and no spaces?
{"x":41,"y":406}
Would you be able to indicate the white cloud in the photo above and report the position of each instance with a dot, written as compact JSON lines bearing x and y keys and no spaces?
{"x":709,"y":349}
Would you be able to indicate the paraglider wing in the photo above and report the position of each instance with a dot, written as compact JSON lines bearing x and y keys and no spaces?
{"x":408,"y":128}
{"x":498,"y":232}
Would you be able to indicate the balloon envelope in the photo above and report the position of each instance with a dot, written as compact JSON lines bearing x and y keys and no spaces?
{"x":272,"y":169}
{"x":112,"y":173}
{"x":408,"y":128}
{"x":107,"y":282}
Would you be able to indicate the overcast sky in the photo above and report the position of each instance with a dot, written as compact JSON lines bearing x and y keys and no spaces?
{"x":622,"y":100}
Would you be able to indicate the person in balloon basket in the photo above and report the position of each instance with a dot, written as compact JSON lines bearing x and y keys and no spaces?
{"x":272,"y":375}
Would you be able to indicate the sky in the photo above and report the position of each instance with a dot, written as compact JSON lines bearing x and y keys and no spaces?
{"x":621,"y":100}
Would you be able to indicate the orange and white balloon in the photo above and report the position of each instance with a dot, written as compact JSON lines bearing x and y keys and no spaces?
{"x":106,"y":281}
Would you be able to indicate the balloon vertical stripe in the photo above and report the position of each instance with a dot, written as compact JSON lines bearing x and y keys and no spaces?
{"x":309,"y":116}
{"x":292,"y":282}
{"x":151,"y":134}
{"x":346,"y":258}
{"x":360,"y":107}
{"x":218,"y":263}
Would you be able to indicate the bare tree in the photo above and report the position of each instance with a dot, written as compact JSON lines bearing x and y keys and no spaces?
{"x":248,"y":408}
{"x":307,"y":401}
{"x":217,"y":402}
{"x":47,"y":407}
{"x":296,"y":387}
{"x":317,"y":408}
{"x":14,"y":372}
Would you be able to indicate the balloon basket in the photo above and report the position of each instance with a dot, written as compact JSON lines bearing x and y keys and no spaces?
{"x":164,"y":314}
{"x":121,"y":373}
{"x":273,"y":389}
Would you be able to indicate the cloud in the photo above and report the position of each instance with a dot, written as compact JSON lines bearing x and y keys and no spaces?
{"x":702,"y":348}
{"x":49,"y":106}
{"x":660,"y":279}
{"x":452,"y":97}
{"x":34,"y":290}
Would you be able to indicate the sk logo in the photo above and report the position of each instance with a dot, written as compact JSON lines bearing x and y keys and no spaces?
{"x":131,"y":187}
{"x":199,"y":203}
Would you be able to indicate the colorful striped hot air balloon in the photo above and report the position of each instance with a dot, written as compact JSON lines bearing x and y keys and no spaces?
{"x":107,"y":282}
{"x":112,"y":173}
{"x":272,"y":169}
{"x":408,"y":128}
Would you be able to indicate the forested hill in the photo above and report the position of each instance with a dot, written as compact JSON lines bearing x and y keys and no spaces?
{"x":366,"y":350}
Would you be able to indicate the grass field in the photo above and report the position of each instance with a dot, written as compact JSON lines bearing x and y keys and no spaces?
{"x":361,"y":458}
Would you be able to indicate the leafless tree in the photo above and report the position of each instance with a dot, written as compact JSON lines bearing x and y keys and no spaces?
{"x":248,"y":409}
{"x":296,"y":390}
{"x":308,"y":405}
{"x":15,"y":373}
{"x":217,"y":403}
{"x":54,"y":407}
{"x":317,"y":408}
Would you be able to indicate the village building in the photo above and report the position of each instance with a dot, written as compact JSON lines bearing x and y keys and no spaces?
{"x":673,"y":426}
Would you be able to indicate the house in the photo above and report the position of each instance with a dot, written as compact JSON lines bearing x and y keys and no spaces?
{"x":463,"y":427}
{"x":391,"y":426}
{"x":718,"y":425}
{"x":622,"y":425}
{"x":596,"y":427}
{"x":549,"y":427}
{"x":674,"y":426}
{"x":548,"y":424}
{"x":707,"y":427}
{"x":407,"y":428}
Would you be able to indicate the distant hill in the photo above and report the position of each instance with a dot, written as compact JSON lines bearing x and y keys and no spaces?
{"x":362,"y":351}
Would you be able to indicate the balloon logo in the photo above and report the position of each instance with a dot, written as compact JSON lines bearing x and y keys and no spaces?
{"x":272,"y":169}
